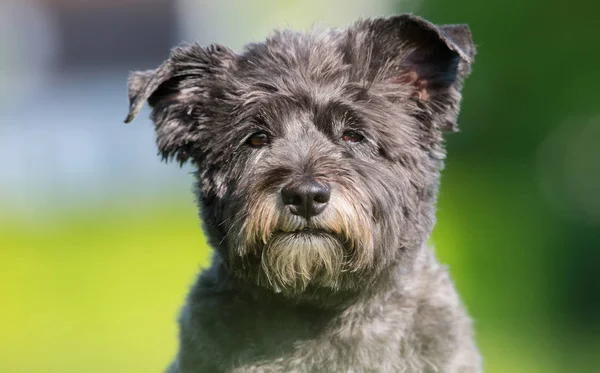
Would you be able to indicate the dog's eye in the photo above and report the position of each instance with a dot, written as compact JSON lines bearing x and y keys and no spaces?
{"x":258,"y":140}
{"x":352,"y":136}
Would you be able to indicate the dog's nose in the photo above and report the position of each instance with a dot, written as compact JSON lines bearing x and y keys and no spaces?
{"x":307,"y":198}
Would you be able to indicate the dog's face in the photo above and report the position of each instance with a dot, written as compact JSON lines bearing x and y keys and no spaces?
{"x":317,"y":154}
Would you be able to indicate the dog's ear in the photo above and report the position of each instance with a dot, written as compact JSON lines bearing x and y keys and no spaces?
{"x":174,"y":90}
{"x":142,"y":85}
{"x":432,"y":59}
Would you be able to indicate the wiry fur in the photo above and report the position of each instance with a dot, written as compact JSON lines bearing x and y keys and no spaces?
{"x":360,"y":291}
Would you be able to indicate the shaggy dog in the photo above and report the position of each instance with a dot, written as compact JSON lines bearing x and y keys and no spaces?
{"x":317,"y":159}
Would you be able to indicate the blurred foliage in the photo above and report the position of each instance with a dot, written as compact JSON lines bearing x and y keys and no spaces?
{"x":526,"y":269}
{"x":97,"y":289}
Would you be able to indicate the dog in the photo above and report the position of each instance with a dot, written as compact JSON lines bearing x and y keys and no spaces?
{"x":317,"y":158}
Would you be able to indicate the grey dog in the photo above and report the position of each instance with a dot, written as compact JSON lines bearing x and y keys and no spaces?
{"x":317,"y":159}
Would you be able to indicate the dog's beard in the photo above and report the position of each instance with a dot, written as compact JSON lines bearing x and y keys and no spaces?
{"x":291,"y":261}
{"x":288,"y":254}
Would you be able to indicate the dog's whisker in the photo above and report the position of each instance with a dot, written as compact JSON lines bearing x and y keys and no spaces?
{"x":240,"y":218}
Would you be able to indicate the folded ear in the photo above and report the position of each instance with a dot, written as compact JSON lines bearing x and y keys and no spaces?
{"x":174,"y":90}
{"x":432,"y":59}
{"x":440,"y":56}
{"x":141,"y":85}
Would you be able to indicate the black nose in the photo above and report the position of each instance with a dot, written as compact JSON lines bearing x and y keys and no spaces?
{"x":307,"y":198}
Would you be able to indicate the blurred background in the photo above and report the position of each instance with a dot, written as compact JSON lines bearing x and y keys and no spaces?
{"x":99,"y":240}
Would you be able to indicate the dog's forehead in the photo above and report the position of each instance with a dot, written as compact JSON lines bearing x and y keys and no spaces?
{"x":314,"y":54}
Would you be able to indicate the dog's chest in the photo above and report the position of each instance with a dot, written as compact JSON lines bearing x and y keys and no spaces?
{"x":277,"y":341}
{"x":338,"y":350}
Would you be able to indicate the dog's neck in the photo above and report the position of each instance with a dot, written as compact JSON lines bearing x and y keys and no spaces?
{"x":273,"y":324}
{"x":395,"y":278}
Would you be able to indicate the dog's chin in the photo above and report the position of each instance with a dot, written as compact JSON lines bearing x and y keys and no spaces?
{"x":293,"y":260}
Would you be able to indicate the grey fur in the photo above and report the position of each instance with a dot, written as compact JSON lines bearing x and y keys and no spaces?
{"x":362,"y":292}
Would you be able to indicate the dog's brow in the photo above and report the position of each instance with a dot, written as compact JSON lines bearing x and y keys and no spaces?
{"x":333,"y":113}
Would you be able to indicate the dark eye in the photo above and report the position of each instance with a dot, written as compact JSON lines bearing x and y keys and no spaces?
{"x":258,"y":140}
{"x":352,"y":136}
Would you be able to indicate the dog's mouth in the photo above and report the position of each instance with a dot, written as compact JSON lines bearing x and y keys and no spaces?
{"x":303,"y":231}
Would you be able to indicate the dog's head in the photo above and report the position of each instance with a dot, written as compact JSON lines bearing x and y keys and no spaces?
{"x":317,"y":153}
